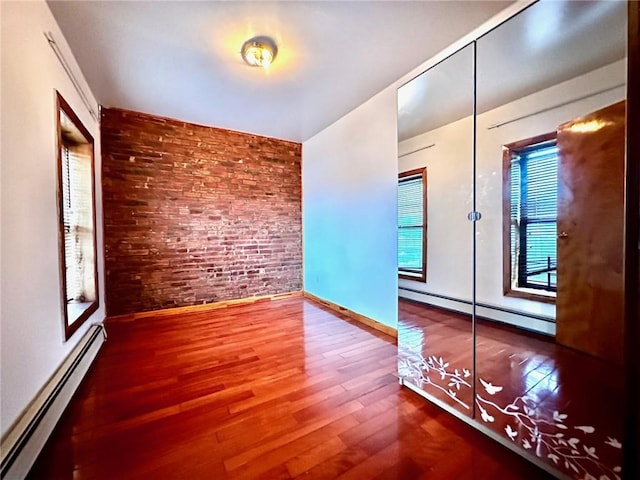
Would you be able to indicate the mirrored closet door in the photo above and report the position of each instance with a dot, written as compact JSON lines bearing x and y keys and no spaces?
{"x":435,"y":153}
{"x":550,"y":153}
{"x":512,"y":318}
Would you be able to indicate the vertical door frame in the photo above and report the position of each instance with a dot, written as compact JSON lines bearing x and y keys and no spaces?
{"x":631,"y":467}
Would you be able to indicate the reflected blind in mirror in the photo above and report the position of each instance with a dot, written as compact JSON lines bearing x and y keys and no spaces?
{"x":534,"y":213}
{"x":410,"y":223}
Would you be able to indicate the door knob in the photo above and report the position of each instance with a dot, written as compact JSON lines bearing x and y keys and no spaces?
{"x":563,"y":235}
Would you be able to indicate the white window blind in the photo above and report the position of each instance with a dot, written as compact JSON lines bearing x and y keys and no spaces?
{"x":410,"y":224}
{"x":534,"y":213}
{"x":77,"y":224}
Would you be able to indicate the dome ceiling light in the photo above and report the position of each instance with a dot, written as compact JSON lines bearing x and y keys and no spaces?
{"x":259,"y":51}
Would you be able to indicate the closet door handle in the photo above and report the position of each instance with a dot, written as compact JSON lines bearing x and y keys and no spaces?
{"x":563,"y":235}
{"x":474,"y":216}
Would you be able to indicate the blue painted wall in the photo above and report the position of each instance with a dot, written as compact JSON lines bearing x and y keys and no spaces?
{"x":349,"y":210}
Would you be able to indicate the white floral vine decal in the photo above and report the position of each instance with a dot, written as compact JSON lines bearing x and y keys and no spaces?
{"x":550,"y":437}
{"x":546,"y":435}
{"x":433,"y":371}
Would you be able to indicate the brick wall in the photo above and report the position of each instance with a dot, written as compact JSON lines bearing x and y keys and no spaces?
{"x":195,"y":214}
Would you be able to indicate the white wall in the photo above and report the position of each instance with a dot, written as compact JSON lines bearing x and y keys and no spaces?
{"x":449,"y":187}
{"x":449,"y":165}
{"x":31,"y":324}
{"x":349,"y":181}
{"x":349,"y":199}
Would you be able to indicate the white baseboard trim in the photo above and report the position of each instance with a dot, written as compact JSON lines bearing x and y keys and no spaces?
{"x":22,"y":443}
{"x":524,"y":320}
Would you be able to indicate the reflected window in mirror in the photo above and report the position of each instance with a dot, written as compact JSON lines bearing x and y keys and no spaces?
{"x":412,"y":225}
{"x":530,"y":217}
{"x":76,"y":210}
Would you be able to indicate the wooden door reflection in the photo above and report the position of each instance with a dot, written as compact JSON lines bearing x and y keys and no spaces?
{"x":562,"y":404}
{"x":556,"y":393}
{"x":589,"y":312}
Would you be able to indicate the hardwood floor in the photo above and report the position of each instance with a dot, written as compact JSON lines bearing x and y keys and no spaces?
{"x":276,"y":389}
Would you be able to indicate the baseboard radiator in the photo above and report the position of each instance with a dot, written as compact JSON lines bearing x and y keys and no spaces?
{"x":23,"y":442}
{"x":524,"y":320}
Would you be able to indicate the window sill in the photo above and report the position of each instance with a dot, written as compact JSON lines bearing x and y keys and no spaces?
{"x":533,"y":295}
{"x":416,"y":278}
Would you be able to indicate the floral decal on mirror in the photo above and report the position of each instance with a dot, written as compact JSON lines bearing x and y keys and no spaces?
{"x":435,"y":372}
{"x":577,"y":450}
{"x":549,"y":436}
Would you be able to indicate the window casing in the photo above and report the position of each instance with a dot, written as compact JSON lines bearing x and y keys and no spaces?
{"x":530,"y":218}
{"x":76,"y":213}
{"x":412,"y":225}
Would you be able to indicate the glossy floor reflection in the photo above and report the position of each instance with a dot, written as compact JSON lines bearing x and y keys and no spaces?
{"x":559,"y":404}
{"x":433,"y":354}
{"x":272,"y":390}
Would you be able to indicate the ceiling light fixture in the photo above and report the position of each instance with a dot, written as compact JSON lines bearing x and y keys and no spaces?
{"x":259,"y":51}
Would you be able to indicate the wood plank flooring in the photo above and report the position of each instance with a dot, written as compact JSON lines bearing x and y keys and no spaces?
{"x":274,"y":390}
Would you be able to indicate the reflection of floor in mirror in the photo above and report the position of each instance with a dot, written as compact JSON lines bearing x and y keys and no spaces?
{"x":437,"y":360}
{"x":560,"y":404}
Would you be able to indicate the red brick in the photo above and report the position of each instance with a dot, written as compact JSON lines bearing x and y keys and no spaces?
{"x":195,"y":214}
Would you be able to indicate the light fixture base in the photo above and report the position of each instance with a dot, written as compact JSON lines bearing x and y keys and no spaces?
{"x":259,"y":51}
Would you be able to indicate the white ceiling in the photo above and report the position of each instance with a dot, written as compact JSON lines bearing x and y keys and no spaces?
{"x":546,"y":44}
{"x":181,"y":59}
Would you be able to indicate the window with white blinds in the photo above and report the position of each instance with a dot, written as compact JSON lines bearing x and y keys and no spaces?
{"x":534,"y":214}
{"x":76,"y":207}
{"x":77,"y":216}
{"x":412,"y":224}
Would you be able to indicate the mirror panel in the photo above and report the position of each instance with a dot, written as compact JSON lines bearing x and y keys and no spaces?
{"x":435,"y":135}
{"x":550,"y":163}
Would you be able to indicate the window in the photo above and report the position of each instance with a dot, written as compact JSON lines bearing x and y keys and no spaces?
{"x":412,"y":225}
{"x":530,"y":217}
{"x":76,"y":207}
